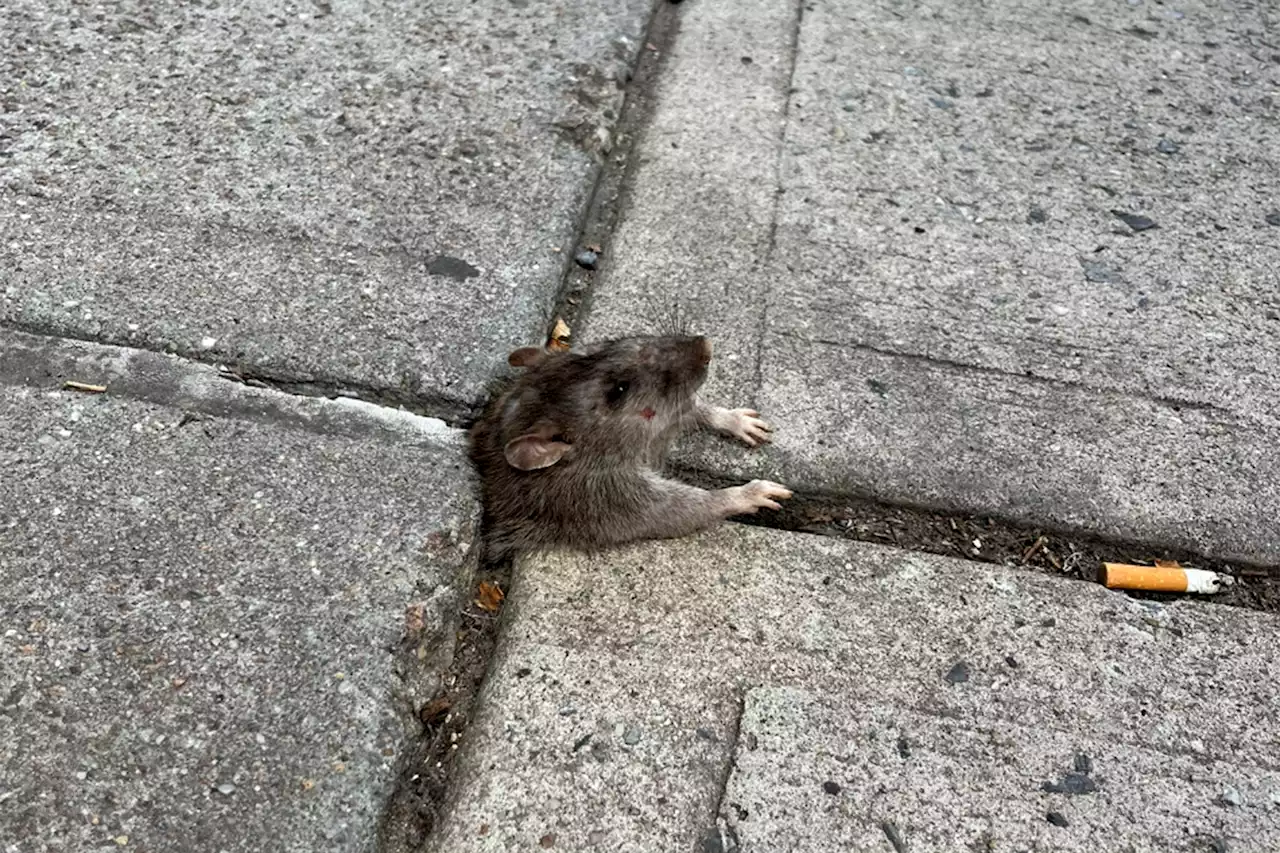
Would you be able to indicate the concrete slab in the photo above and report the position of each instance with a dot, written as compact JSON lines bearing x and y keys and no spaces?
{"x":924,"y":276}
{"x":335,"y":192}
{"x":221,"y":613}
{"x":702,"y":692}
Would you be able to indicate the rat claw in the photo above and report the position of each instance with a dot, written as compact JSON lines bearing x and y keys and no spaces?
{"x":748,"y":428}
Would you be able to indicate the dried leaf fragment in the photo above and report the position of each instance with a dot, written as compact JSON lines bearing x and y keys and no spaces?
{"x":490,"y":596}
{"x":559,"y":341}
{"x":84,"y":386}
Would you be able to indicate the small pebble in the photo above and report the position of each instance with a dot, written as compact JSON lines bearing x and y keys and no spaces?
{"x":706,"y":734}
{"x":1037,"y":216}
{"x":958,"y":674}
{"x":941,"y":103}
{"x":831,"y":788}
{"x":1165,"y":146}
{"x":567,"y":711}
{"x":1232,"y":797}
{"x":226,"y":789}
{"x":631,"y":736}
{"x":1056,"y":818}
{"x":1273,"y":218}
{"x":1136,"y":221}
{"x":586,"y":259}
{"x":1099,"y":272}
{"x":1072,"y":783}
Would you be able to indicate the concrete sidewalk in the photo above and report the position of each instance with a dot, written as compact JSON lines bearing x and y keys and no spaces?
{"x":1017,"y":261}
{"x":924,"y":240}
{"x":365,"y":196}
{"x":222,"y":606}
{"x":753,"y":690}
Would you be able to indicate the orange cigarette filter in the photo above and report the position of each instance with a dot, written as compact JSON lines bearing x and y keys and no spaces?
{"x":1159,"y":578}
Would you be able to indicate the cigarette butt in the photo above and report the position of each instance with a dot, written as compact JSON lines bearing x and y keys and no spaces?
{"x":1160,"y":578}
{"x":84,"y":386}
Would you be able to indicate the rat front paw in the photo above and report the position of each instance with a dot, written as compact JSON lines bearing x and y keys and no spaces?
{"x":756,"y":494}
{"x":744,"y":425}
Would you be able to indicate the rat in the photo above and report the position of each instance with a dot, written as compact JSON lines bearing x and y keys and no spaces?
{"x":570,"y":453}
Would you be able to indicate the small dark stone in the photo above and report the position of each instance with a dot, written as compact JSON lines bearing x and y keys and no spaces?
{"x":831,"y":788}
{"x":1218,"y":844}
{"x":891,"y":832}
{"x":958,"y":674}
{"x":454,"y":268}
{"x":878,"y":387}
{"x":1037,"y":216}
{"x":523,"y":671}
{"x":706,"y":734}
{"x":1056,"y":818}
{"x":1083,"y":763}
{"x":918,"y":229}
{"x":1271,"y":314}
{"x":586,"y":259}
{"x":752,"y":741}
{"x":1273,"y":218}
{"x":581,"y":742}
{"x":631,"y":735}
{"x":1049,"y":623}
{"x":1136,"y":221}
{"x":1011,"y":661}
{"x":1100,"y":272}
{"x":904,"y":747}
{"x":1072,"y":784}
{"x":1141,"y":33}
{"x":941,"y":103}
{"x":746,"y":60}
{"x":1164,"y":146}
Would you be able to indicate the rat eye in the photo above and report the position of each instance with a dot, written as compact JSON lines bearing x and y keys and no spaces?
{"x":617,"y":392}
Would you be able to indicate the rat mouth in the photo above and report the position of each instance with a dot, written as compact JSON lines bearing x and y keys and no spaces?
{"x":647,"y":413}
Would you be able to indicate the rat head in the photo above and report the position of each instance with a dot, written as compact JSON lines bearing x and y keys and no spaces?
{"x":618,"y":400}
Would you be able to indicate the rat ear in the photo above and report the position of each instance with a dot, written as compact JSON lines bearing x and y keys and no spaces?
{"x":526,"y":356}
{"x":535,"y":450}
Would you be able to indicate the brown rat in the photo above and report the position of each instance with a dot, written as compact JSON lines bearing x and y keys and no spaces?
{"x":570,"y":453}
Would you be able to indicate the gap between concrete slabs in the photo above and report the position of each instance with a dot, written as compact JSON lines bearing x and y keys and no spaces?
{"x":224,"y":606}
{"x":960,"y":704}
{"x":766,"y":231}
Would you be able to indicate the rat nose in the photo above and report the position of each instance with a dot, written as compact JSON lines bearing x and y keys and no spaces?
{"x":702,"y":346}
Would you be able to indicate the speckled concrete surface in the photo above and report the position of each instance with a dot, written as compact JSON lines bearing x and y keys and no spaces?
{"x":220,"y":615}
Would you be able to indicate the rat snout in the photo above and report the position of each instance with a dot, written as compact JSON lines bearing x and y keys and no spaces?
{"x":702,"y":347}
{"x":691,"y":365}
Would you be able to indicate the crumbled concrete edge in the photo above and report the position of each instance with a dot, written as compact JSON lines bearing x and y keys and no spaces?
{"x":203,"y":390}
